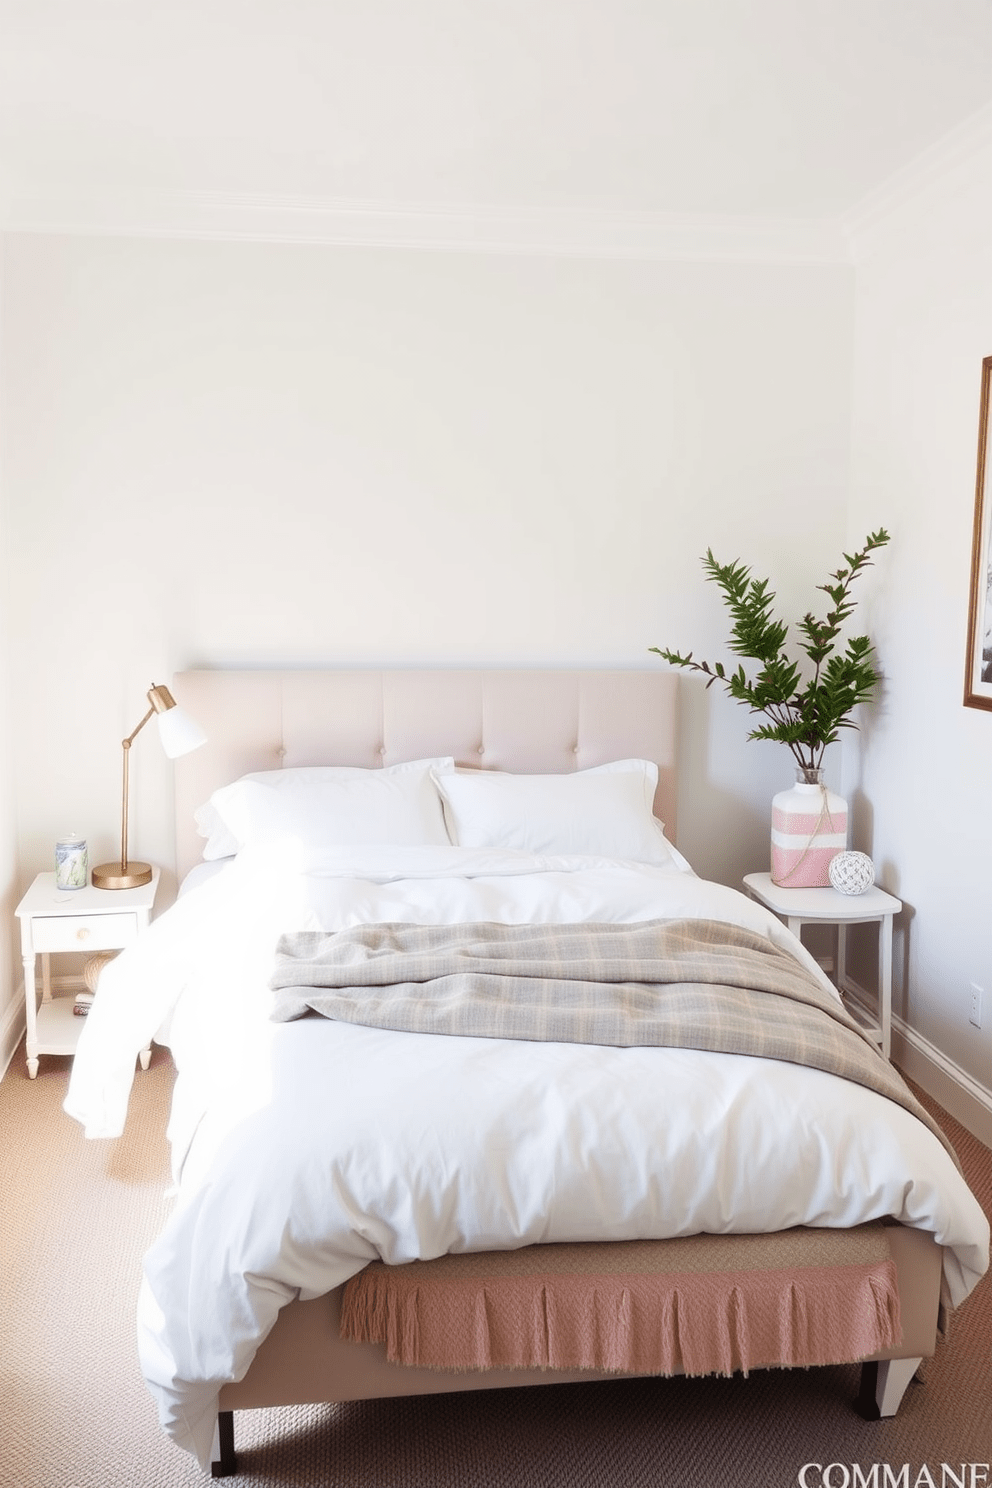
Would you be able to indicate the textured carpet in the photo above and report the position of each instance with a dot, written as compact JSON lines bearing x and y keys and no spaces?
{"x":76,"y":1217}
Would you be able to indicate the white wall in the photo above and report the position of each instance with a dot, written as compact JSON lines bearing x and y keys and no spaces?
{"x":924,"y":323}
{"x":271,"y":455}
{"x":9,"y":889}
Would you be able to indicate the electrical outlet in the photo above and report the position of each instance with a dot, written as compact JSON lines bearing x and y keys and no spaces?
{"x":975,"y":1016}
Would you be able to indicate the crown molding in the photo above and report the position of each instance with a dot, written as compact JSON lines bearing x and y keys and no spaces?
{"x":928,"y":175}
{"x":570,"y":234}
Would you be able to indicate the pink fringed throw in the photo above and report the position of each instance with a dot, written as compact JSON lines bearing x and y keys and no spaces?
{"x":697,"y":1305}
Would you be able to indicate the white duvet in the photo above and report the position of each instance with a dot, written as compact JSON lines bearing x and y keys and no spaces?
{"x":303,"y":1150}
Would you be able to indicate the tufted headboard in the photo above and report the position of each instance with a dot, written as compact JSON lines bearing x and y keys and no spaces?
{"x":529,"y":722}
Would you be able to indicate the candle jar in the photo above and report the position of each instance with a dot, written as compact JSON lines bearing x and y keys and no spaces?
{"x":71,"y":863}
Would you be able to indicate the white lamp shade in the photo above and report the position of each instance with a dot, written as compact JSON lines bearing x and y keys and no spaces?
{"x":179,"y":733}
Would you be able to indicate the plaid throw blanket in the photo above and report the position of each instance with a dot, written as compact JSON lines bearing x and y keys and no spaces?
{"x":684,"y":983}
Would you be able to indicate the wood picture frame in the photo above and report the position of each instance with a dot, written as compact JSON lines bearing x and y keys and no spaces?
{"x":978,"y":676}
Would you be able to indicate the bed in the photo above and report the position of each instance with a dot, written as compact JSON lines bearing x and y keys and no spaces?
{"x":425,"y":1145}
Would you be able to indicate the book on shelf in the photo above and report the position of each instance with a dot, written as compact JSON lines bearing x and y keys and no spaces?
{"x":82,"y":1004}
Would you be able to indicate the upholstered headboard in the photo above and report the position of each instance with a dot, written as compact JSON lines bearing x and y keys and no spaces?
{"x":538,"y":722}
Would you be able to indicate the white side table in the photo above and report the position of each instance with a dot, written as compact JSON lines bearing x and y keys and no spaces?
{"x":60,"y":920}
{"x":798,"y":907}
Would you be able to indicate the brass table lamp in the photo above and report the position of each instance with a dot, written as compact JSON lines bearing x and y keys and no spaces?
{"x":179,"y":735}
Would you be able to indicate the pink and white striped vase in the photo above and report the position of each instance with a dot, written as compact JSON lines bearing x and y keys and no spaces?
{"x":809,"y":827}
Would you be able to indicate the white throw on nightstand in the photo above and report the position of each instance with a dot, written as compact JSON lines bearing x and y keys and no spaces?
{"x":798,"y":907}
{"x":60,"y":920}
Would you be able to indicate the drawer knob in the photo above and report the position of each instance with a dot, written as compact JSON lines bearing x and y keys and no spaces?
{"x":83,"y":933}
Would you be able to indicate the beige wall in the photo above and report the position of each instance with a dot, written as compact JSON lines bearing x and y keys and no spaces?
{"x":258,"y":454}
{"x":924,"y":323}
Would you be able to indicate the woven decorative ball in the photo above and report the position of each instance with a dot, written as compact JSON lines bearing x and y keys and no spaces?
{"x":94,"y":966}
{"x":851,"y":872}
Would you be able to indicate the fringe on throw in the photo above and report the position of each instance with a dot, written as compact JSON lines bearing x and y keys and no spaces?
{"x":683,"y":1323}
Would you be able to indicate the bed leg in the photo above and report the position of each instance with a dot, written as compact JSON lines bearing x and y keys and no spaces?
{"x":224,"y":1463}
{"x":883,"y":1384}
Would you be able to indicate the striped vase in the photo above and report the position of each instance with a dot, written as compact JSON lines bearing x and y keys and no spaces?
{"x":809,"y":827}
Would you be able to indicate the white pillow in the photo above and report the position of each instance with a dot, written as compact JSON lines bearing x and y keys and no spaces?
{"x":606,"y":811}
{"x":321,"y":805}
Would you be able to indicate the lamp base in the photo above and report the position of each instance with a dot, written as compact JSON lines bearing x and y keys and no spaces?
{"x":116,"y":876}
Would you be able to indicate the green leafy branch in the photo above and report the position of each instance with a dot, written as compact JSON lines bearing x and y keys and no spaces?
{"x":806,"y":716}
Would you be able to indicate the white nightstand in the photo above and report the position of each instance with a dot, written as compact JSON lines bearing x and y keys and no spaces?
{"x":60,"y":920}
{"x":798,"y":907}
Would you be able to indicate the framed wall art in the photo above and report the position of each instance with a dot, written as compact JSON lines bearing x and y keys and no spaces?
{"x":978,"y":677}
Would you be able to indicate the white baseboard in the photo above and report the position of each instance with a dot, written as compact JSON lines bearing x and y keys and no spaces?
{"x":964,"y":1097}
{"x":12,"y":1027}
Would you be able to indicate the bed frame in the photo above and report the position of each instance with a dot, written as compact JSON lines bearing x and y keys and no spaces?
{"x":526,"y":721}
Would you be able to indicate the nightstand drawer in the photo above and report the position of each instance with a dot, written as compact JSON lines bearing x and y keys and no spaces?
{"x":101,"y":932}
